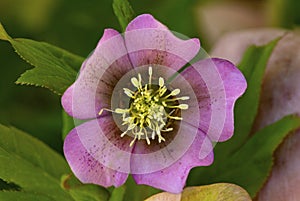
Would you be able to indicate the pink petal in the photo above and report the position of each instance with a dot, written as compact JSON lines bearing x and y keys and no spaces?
{"x":97,"y":154}
{"x":108,"y":34}
{"x":235,"y":85}
{"x":217,"y":84}
{"x":173,"y":177}
{"x":157,"y":156}
{"x":83,"y":163}
{"x":150,"y":42}
{"x":102,"y":70}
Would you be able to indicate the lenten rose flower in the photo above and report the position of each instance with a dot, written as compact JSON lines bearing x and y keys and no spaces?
{"x":143,"y":117}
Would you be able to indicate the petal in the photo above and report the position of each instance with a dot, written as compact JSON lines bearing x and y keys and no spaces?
{"x":157,"y":156}
{"x":108,"y":34}
{"x":217,"y":84}
{"x":97,"y":154}
{"x":173,"y":178}
{"x":67,"y":100}
{"x":150,"y":42}
{"x":99,"y":74}
{"x":235,"y":85}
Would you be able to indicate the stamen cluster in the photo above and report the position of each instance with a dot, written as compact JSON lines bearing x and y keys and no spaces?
{"x":151,"y":107}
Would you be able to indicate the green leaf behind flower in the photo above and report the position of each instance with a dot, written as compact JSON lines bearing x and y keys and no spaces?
{"x":253,"y":67}
{"x":247,"y":160}
{"x":31,"y":165}
{"x":124,"y":12}
{"x":135,"y":192}
{"x":55,"y":68}
{"x":86,"y":192}
{"x":23,"y":196}
{"x":118,"y":194}
{"x":249,"y":167}
{"x":33,"y":171}
{"x":68,"y":124}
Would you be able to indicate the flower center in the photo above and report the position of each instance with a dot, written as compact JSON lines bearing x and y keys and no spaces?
{"x":150,"y":109}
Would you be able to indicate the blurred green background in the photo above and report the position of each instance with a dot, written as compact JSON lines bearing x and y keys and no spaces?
{"x":77,"y":25}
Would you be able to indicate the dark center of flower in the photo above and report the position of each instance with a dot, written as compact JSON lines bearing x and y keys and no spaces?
{"x":151,"y":107}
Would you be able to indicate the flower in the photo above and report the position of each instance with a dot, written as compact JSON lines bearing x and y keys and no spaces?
{"x":143,"y":117}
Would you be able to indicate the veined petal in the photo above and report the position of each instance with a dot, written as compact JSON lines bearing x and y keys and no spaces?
{"x":108,"y":34}
{"x":217,"y":84}
{"x":173,"y":177}
{"x":150,"y":42}
{"x":157,"y":156}
{"x":97,"y":154}
{"x":102,"y":70}
{"x":235,"y":85}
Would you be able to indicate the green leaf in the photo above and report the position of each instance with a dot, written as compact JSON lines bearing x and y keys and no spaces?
{"x":124,"y":12}
{"x":30,"y":164}
{"x":89,"y":192}
{"x":118,"y":194}
{"x":249,"y":167}
{"x":253,"y":67}
{"x":55,"y":68}
{"x":135,"y":192}
{"x":83,"y":192}
{"x":213,"y":192}
{"x":32,"y":169}
{"x":23,"y":196}
{"x":68,"y":124}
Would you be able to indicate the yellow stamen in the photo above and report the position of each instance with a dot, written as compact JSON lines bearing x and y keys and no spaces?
{"x":161,"y":82}
{"x":147,"y":114}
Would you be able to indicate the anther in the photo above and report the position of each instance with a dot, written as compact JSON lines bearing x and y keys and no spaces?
{"x":128,"y":92}
{"x":161,"y":81}
{"x":183,"y":106}
{"x":102,"y":110}
{"x":183,"y":98}
{"x":121,"y":111}
{"x":135,"y":82}
{"x":175,"y":92}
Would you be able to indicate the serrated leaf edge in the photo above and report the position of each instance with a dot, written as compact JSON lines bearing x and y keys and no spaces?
{"x":35,"y":85}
